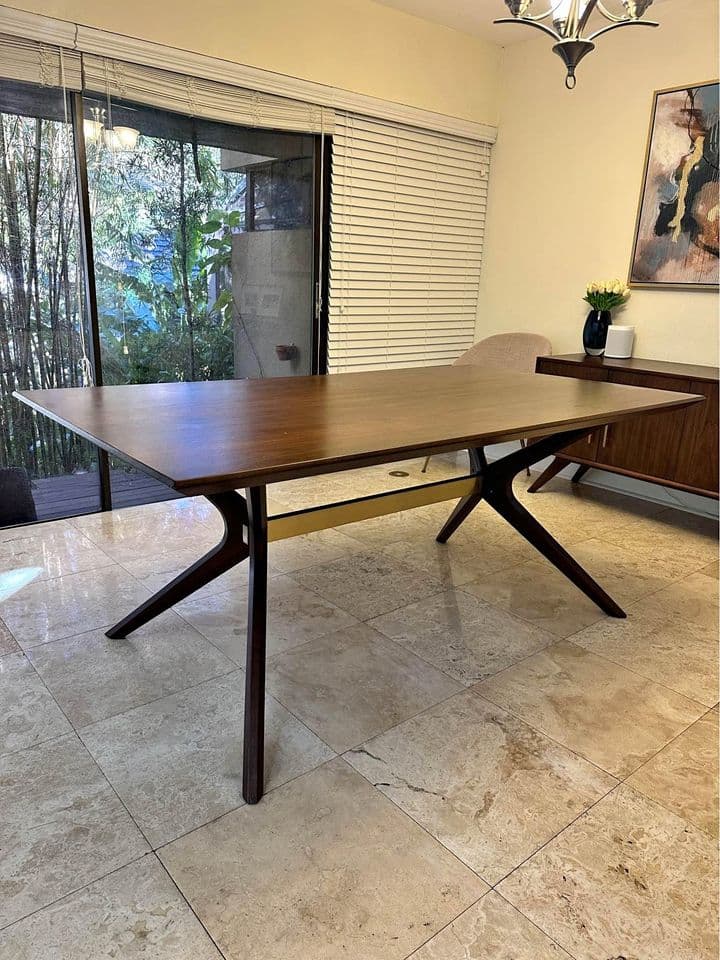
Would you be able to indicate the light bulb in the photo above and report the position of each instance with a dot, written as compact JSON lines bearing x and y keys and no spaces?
{"x":121,"y":138}
{"x":567,"y":15}
{"x":127,"y":137}
{"x":636,"y":8}
{"x":92,"y":130}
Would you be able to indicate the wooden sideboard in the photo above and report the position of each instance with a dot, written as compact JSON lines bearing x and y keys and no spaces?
{"x":674,"y":449}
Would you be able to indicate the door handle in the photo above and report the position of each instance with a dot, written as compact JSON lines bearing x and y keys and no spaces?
{"x":606,"y":429}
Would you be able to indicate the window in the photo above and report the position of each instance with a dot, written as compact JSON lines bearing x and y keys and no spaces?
{"x":45,"y":471}
{"x":204,"y":240}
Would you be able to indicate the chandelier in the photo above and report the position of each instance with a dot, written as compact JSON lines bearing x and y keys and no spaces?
{"x":569,"y":20}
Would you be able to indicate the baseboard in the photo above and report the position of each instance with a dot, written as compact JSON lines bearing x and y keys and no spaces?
{"x":668,"y":497}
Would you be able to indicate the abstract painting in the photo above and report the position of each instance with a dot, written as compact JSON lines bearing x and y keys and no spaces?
{"x":676,"y":236}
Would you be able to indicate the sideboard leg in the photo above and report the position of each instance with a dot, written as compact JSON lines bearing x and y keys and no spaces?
{"x":580,"y":473}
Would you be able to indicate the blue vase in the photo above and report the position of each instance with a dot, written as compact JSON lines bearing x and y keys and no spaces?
{"x":595,"y":332}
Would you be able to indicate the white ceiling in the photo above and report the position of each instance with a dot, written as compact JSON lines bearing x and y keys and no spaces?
{"x":476,"y":16}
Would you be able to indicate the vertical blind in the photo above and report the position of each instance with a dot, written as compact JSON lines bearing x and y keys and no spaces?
{"x":407,"y":225}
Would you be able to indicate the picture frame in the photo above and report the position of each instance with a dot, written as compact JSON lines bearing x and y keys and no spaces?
{"x":675,"y":245}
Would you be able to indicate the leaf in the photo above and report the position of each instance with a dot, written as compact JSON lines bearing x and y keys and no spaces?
{"x":212,"y":226}
{"x":224,"y":299}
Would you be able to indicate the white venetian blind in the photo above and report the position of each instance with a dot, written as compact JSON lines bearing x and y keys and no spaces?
{"x":39,"y":63}
{"x":407,"y":225}
{"x":209,"y":99}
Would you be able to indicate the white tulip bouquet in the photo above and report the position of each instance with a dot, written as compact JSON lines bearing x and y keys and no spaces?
{"x":606,"y":294}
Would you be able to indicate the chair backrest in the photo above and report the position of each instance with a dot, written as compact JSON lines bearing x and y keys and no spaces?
{"x":511,"y":351}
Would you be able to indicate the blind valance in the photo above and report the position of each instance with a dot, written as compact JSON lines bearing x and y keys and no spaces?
{"x":34,"y":62}
{"x":202,"y":98}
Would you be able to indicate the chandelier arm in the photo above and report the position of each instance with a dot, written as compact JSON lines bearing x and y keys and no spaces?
{"x":590,"y":6}
{"x":531,"y":23}
{"x":611,"y":16}
{"x":541,"y":16}
{"x":623,"y":23}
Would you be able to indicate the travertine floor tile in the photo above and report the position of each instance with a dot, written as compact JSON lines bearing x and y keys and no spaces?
{"x":28,"y":714}
{"x":125,"y":538}
{"x":50,"y":529}
{"x":486,"y":785}
{"x":381,"y":531}
{"x":461,"y":635}
{"x":628,"y":879}
{"x":673,"y":537}
{"x":694,"y":599}
{"x":286,"y":556}
{"x":51,"y":553}
{"x":295,"y":615}
{"x":8,"y":644}
{"x":177,"y":762}
{"x":453,"y":563}
{"x":325,"y":868}
{"x":661,"y":646}
{"x":491,"y":930}
{"x":61,"y":826}
{"x":354,"y":684}
{"x":93,"y":677}
{"x":367,"y":584}
{"x":133,"y":914}
{"x":613,"y":717}
{"x":684,"y":776}
{"x":155,"y":572}
{"x":540,"y":595}
{"x":52,"y":609}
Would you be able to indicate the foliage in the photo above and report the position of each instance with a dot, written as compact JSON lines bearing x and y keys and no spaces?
{"x":162,"y":217}
{"x":164,"y":292}
{"x":41,"y":325}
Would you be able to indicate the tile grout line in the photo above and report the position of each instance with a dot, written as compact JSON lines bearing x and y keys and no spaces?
{"x":189,"y":906}
{"x":75,"y":890}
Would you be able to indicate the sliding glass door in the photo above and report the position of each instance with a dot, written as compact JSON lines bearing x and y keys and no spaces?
{"x":45,"y":471}
{"x":204,"y":252}
{"x":204,"y":239}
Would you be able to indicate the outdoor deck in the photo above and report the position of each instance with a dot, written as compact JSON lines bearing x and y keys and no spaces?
{"x":74,"y":494}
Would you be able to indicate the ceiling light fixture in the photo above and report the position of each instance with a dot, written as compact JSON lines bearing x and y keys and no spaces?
{"x":569,"y":20}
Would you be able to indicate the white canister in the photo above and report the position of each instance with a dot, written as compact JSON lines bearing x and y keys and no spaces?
{"x":619,"y":344}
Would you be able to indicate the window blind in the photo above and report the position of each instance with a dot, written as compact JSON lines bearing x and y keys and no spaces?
{"x":202,"y":98}
{"x":33,"y":62}
{"x":407,"y":224}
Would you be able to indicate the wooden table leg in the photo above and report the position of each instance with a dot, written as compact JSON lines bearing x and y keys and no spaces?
{"x":495,"y":487}
{"x":465,"y":507}
{"x":254,"y":741}
{"x":548,"y":473}
{"x":230,"y":551}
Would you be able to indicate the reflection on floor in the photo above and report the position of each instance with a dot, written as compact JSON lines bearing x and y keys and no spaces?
{"x":466,"y":759}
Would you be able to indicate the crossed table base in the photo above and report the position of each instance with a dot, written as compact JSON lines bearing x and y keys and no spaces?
{"x":248,"y":531}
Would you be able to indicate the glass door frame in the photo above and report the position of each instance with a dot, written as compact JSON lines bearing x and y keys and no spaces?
{"x":322,"y":155}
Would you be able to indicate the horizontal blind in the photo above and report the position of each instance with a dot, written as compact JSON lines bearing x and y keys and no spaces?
{"x":202,"y":98}
{"x":40,"y":63}
{"x":407,"y":225}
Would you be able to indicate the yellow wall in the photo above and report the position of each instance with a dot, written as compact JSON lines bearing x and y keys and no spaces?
{"x":357,"y":45}
{"x":565,"y":181}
